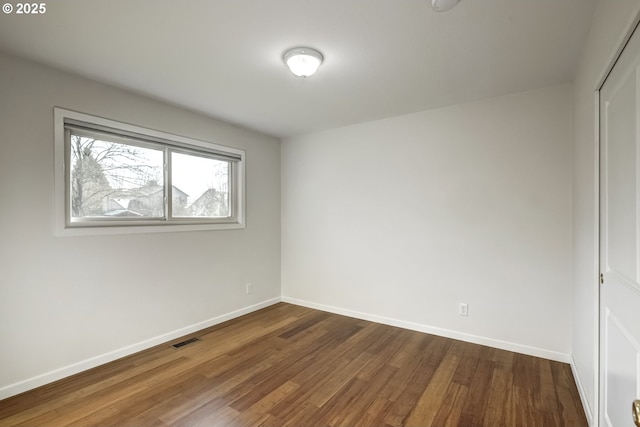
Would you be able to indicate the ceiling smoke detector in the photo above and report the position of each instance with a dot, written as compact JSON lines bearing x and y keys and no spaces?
{"x":443,"y":5}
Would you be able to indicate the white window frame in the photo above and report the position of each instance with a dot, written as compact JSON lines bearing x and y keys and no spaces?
{"x":64,"y":226}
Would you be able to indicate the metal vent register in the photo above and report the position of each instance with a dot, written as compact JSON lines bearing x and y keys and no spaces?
{"x":185,"y":342}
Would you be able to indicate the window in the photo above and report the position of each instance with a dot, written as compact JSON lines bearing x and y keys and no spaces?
{"x":115,"y":177}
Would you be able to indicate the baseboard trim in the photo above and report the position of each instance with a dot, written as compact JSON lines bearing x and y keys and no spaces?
{"x":588,"y":412}
{"x":58,"y":374}
{"x":447,"y":333}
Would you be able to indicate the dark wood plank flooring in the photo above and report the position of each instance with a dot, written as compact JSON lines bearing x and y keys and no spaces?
{"x":292,"y":366}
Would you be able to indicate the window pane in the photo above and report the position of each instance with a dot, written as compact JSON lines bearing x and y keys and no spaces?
{"x":110,"y":180}
{"x":200,"y":186}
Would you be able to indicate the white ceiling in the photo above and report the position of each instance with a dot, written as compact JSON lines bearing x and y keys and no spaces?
{"x":382,"y":57}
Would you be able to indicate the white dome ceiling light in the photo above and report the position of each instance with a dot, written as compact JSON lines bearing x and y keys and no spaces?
{"x":303,"y":61}
{"x":443,"y":5}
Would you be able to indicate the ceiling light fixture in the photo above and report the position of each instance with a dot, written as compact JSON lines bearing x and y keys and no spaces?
{"x":303,"y":61}
{"x":443,"y":5}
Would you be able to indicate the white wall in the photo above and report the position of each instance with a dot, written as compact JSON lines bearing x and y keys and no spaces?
{"x":64,"y":300}
{"x":612,"y":21}
{"x":401,"y":219}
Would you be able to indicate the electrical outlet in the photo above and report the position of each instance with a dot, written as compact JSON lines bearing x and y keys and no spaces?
{"x":463,"y":309}
{"x":249,"y":288}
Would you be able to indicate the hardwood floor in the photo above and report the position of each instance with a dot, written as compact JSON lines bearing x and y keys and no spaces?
{"x":292,"y":366}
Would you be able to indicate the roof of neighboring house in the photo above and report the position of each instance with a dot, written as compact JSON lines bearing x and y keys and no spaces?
{"x":144,"y":191}
{"x":206,"y":197}
{"x":121,"y":212}
{"x":148,"y":190}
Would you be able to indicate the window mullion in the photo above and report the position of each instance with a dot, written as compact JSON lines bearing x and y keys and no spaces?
{"x":231,"y":189}
{"x":168,"y":186}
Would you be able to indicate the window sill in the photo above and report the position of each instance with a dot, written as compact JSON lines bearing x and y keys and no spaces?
{"x":137,"y":229}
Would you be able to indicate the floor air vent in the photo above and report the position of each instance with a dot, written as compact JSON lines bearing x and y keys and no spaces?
{"x":183,"y":343}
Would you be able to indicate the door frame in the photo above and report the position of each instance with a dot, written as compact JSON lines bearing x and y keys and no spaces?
{"x":622,"y":42}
